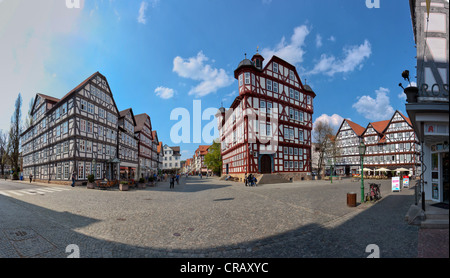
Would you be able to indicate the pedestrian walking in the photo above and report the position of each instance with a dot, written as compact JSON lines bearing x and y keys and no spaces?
{"x":172,"y":181}
{"x":73,"y":179}
{"x":31,"y":177}
{"x":245,"y":180}
{"x":178,"y":179}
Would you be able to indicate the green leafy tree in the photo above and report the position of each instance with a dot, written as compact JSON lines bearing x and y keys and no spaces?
{"x":213,"y":159}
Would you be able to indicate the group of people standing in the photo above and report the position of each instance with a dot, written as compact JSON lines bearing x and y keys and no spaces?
{"x":250,"y":180}
{"x":174,"y":178}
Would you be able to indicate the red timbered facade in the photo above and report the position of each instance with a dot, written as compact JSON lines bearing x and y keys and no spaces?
{"x":268,"y":126}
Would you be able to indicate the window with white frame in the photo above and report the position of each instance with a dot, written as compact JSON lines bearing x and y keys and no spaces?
{"x":90,"y":108}
{"x":275,"y":67}
{"x":275,"y":87}
{"x":82,"y":125}
{"x":83,"y":105}
{"x":269,"y":85}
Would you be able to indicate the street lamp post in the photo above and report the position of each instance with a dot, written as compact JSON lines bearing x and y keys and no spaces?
{"x":362,"y":151}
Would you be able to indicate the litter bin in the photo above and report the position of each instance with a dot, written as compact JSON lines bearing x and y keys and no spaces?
{"x":351,"y":199}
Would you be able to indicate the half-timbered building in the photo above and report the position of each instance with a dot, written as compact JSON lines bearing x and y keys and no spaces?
{"x":143,"y":131}
{"x":392,"y":144}
{"x":155,"y":154}
{"x":74,"y":134}
{"x":268,"y":126}
{"x":347,"y":141}
{"x":128,"y":145}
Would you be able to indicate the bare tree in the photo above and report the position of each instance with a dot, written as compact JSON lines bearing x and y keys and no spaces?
{"x":3,"y":156}
{"x":323,"y":134}
{"x":29,"y":119}
{"x":13,"y":149}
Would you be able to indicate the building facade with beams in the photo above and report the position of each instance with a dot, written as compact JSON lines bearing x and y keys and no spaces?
{"x":390,"y":144}
{"x":199,"y":160}
{"x":347,"y":140}
{"x":128,"y":145}
{"x":428,"y":103}
{"x":155,"y":153}
{"x":143,"y":131}
{"x":268,"y":126}
{"x":77,"y":133}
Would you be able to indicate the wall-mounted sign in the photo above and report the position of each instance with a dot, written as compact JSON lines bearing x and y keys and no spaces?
{"x":436,"y":129}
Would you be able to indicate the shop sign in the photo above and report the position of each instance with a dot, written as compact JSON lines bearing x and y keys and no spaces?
{"x":405,"y":181}
{"x":395,"y":183}
{"x":436,"y":129}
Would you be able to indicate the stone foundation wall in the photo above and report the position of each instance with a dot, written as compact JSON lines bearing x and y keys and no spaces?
{"x":56,"y":182}
{"x":296,"y":176}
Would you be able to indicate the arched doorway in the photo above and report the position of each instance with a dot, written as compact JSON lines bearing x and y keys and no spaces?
{"x":266,"y":164}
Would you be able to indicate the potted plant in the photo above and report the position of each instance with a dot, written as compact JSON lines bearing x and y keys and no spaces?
{"x":123,"y":186}
{"x":141,"y":183}
{"x":90,"y":184}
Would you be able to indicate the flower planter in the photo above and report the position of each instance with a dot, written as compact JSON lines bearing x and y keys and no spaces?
{"x":123,"y":187}
{"x":90,"y":185}
{"x":141,"y":185}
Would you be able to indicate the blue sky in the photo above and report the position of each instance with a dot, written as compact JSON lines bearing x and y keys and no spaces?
{"x":159,"y":55}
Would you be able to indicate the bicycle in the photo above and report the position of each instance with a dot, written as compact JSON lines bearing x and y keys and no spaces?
{"x":375,"y":193}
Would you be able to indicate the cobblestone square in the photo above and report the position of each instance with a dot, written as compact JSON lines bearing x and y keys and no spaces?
{"x":202,"y":218}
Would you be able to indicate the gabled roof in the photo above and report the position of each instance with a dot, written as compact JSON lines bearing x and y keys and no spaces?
{"x":247,"y":63}
{"x":140,"y":121}
{"x":155,"y":136}
{"x":203,"y":149}
{"x":404,"y":117}
{"x":380,"y":126}
{"x":359,"y":130}
{"x":123,"y":113}
{"x":159,"y":148}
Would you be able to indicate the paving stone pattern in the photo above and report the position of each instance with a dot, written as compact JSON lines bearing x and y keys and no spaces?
{"x":203,"y":218}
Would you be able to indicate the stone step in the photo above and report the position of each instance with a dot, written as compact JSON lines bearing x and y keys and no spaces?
{"x":271,"y":179}
{"x":434,"y":224}
{"x":436,"y":215}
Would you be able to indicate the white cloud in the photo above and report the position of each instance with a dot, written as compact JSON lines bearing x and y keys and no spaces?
{"x":266,"y":2}
{"x":354,"y":57}
{"x":334,"y":120}
{"x":211,"y":79}
{"x":293,"y":51}
{"x":164,"y":93}
{"x":229,"y":96}
{"x":375,"y":109}
{"x":142,"y":18}
{"x":318,"y":41}
{"x":332,"y":39}
{"x":30,"y":34}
